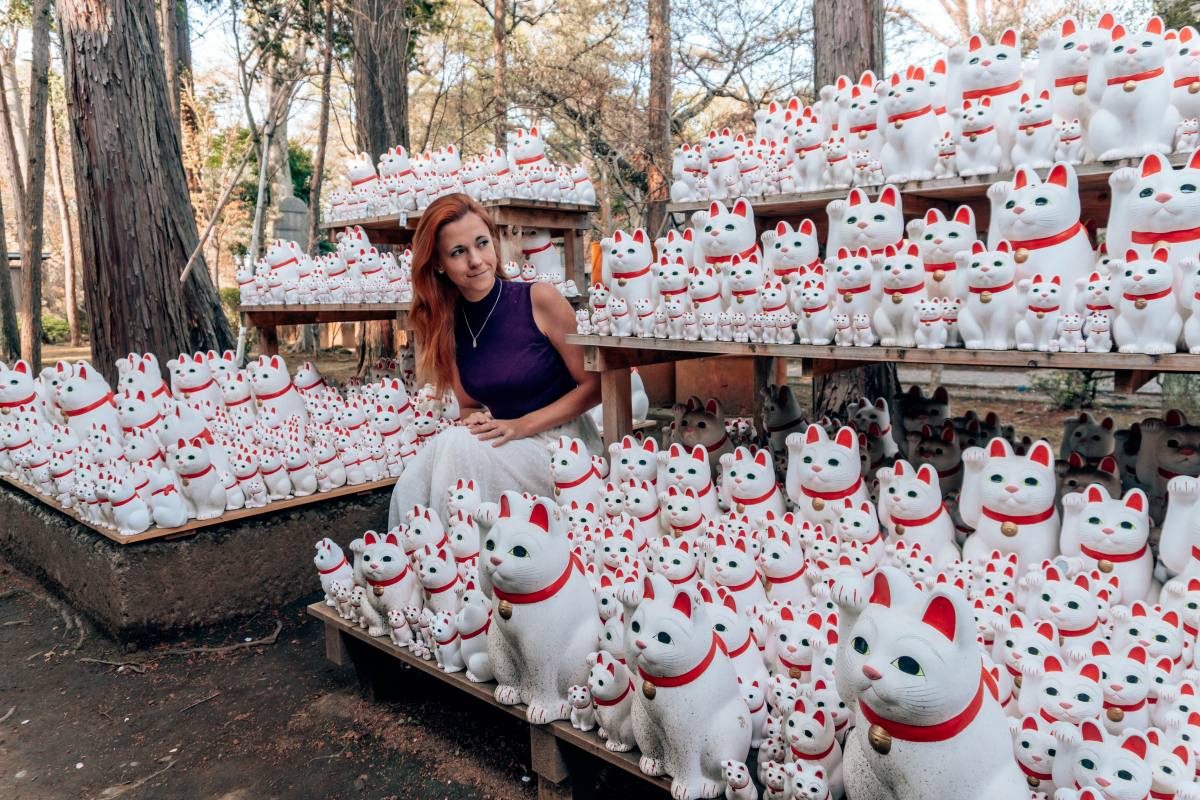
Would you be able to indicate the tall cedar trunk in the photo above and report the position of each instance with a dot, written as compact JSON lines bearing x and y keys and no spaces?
{"x":848,"y":38}
{"x":499,"y":74}
{"x":659,"y":146}
{"x":137,"y":227}
{"x":68,"y":236}
{"x":10,"y":334}
{"x":12,"y":95}
{"x":380,"y":33}
{"x":35,"y":186}
{"x":167,"y":20}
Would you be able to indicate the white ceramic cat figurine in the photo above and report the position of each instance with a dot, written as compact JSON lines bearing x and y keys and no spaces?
{"x":911,"y":509}
{"x":274,"y":393}
{"x":1153,"y":207}
{"x":814,"y":320}
{"x":987,"y":321}
{"x":203,"y":490}
{"x":910,"y":744}
{"x":612,"y":689}
{"x":992,"y":72}
{"x":331,"y":566}
{"x":911,"y":125}
{"x":723,"y":178}
{"x":823,"y":472}
{"x":1036,"y":136}
{"x":1112,"y":766}
{"x":748,"y":483}
{"x":689,"y":717}
{"x":1069,"y":147}
{"x":627,"y":265}
{"x":903,"y":286}
{"x":1148,"y":318}
{"x":859,"y":222}
{"x":1113,"y":536}
{"x":1098,"y":330}
{"x":721,"y":234}
{"x":384,"y":569}
{"x":930,"y":332}
{"x":839,"y":172}
{"x":1040,"y":220}
{"x":940,"y":239}
{"x":1134,"y":115}
{"x":1037,"y":328}
{"x":979,"y":148}
{"x":1009,"y":500}
{"x":544,"y":621}
{"x":1065,"y":60}
{"x":789,"y":251}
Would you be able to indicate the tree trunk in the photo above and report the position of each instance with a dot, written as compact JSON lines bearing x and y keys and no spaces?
{"x":35,"y":188}
{"x":659,"y":146}
{"x":12,"y":96}
{"x":136,"y":221}
{"x":848,"y":38}
{"x":499,"y":74}
{"x":309,"y":337}
{"x":168,"y":20}
{"x":10,"y":333}
{"x":68,"y":236}
{"x":380,"y":36}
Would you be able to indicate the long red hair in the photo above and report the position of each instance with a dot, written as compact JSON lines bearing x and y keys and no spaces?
{"x":435,"y":297}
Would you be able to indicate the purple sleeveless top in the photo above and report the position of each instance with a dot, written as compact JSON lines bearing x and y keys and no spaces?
{"x":514,"y":369}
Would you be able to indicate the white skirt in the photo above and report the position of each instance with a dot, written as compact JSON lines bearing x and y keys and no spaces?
{"x":522,"y":465}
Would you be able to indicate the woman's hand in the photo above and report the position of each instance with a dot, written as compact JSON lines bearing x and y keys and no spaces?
{"x":476,"y":419}
{"x":498,"y":431}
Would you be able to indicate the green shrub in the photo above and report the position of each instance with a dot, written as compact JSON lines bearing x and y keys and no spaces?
{"x":54,"y":329}
{"x":1068,"y":388}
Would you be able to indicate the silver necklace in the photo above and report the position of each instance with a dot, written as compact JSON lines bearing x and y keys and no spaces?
{"x":475,"y":336}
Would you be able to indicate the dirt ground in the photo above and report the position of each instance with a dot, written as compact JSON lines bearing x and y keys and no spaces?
{"x":258,"y":723}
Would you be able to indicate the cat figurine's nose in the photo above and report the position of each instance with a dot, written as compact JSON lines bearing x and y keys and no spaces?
{"x":1018,"y":210}
{"x":496,"y":560}
{"x":639,"y":644}
{"x":871,"y":672}
{"x":1011,"y":489}
{"x":1162,"y":197}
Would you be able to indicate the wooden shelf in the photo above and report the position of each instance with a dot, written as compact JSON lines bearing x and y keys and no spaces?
{"x":266,"y":315}
{"x":338,"y":630}
{"x":939,"y":193}
{"x":532,"y":213}
{"x":197,"y":524}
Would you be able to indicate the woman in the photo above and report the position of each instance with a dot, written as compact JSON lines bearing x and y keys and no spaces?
{"x":501,"y":346}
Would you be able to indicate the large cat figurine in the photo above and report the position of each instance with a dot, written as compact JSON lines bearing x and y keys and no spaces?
{"x":723,"y":233}
{"x":382,"y":567}
{"x":1134,"y":115}
{"x":822,"y":473}
{"x":911,"y":124}
{"x":1153,"y":207}
{"x":988,"y":320}
{"x":1009,"y":501}
{"x":544,"y":620}
{"x":1041,"y":222}
{"x":992,"y":72}
{"x":626,"y":265}
{"x":1148,"y":319}
{"x":858,"y":222}
{"x":1065,"y":58}
{"x":929,"y":724}
{"x":911,"y":509}
{"x":689,"y":715}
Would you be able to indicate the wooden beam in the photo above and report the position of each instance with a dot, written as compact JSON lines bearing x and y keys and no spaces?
{"x":616,"y":398}
{"x":1130,"y":380}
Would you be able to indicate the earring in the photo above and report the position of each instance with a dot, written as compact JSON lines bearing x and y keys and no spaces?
{"x":441,"y":271}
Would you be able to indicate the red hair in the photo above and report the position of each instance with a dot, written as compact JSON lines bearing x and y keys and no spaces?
{"x":435,"y":297}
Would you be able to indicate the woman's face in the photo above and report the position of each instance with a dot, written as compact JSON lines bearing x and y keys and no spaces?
{"x":467,"y":254}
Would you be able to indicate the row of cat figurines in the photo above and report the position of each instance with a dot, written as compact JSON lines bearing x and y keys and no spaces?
{"x":1106,"y":92}
{"x":535,"y":613}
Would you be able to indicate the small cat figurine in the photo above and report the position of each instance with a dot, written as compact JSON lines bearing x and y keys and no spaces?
{"x":383,"y":569}
{"x":1036,"y":137}
{"x":864,"y":335}
{"x":722,"y":234}
{"x":1009,"y":500}
{"x":447,"y":642}
{"x":790,"y":250}
{"x":979,"y":148}
{"x":910,"y":508}
{"x":332,"y":566}
{"x":1112,"y":766}
{"x":1098,"y":332}
{"x":903,"y":287}
{"x":822,"y":472}
{"x":839,"y":172}
{"x":1187,"y":135}
{"x":1038,"y":327}
{"x":930,"y":332}
{"x":911,"y":125}
{"x":1069,"y":148}
{"x":202,"y":489}
{"x":1148,"y":319}
{"x":814,"y":324}
{"x":940,"y":239}
{"x":987,"y":321}
{"x":611,"y":687}
{"x":583,"y":713}
{"x":907,"y":744}
{"x":1035,"y":749}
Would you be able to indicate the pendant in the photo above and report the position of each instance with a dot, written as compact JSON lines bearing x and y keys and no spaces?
{"x":1129,"y":86}
{"x":795,"y":673}
{"x":973,"y":137}
{"x":1009,"y":528}
{"x":741,"y":508}
{"x":740,"y":298}
{"x":1017,"y":680}
{"x":881,"y":740}
{"x":1079,"y":88}
{"x":1194,"y":87}
{"x":939,"y":275}
{"x":1041,"y":315}
{"x":1033,"y":782}
{"x":648,"y":690}
{"x":899,"y":124}
{"x":847,"y":297}
{"x":378,"y":590}
{"x":985,"y":297}
{"x":897,"y":299}
{"x":1029,"y":131}
{"x":1021,"y":256}
{"x":1105,"y":566}
{"x":620,"y":281}
{"x":1140,"y":303}
{"x":505,"y":609}
{"x":557,"y":491}
{"x":818,"y":504}
{"x":1115,"y":714}
{"x":899,"y":529}
{"x":862,"y":134}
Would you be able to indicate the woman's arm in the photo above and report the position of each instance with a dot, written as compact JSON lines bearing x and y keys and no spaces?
{"x":555,"y":318}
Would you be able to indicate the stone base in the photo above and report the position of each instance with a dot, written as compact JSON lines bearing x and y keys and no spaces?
{"x":135,"y":592}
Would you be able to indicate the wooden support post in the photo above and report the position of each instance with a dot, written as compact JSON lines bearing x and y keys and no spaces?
{"x":335,"y":646}
{"x":268,"y":340}
{"x":616,"y":397}
{"x":1130,"y":380}
{"x":546,"y":758}
{"x":577,"y":267}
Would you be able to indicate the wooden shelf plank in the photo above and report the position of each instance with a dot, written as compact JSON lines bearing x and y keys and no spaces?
{"x":556,"y":216}
{"x":1093,"y":185}
{"x":197,"y":524}
{"x":562,"y":730}
{"x":614,"y":352}
{"x":262,"y":316}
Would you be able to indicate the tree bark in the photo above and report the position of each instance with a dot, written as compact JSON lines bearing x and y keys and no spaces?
{"x":380,"y":35}
{"x":10,"y":333}
{"x":659,"y":108}
{"x":308,"y":341}
{"x":168,"y":20}
{"x":12,"y":96}
{"x":847,"y":39}
{"x":136,"y":221}
{"x":35,"y":187}
{"x":499,"y":74}
{"x":68,"y":236}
